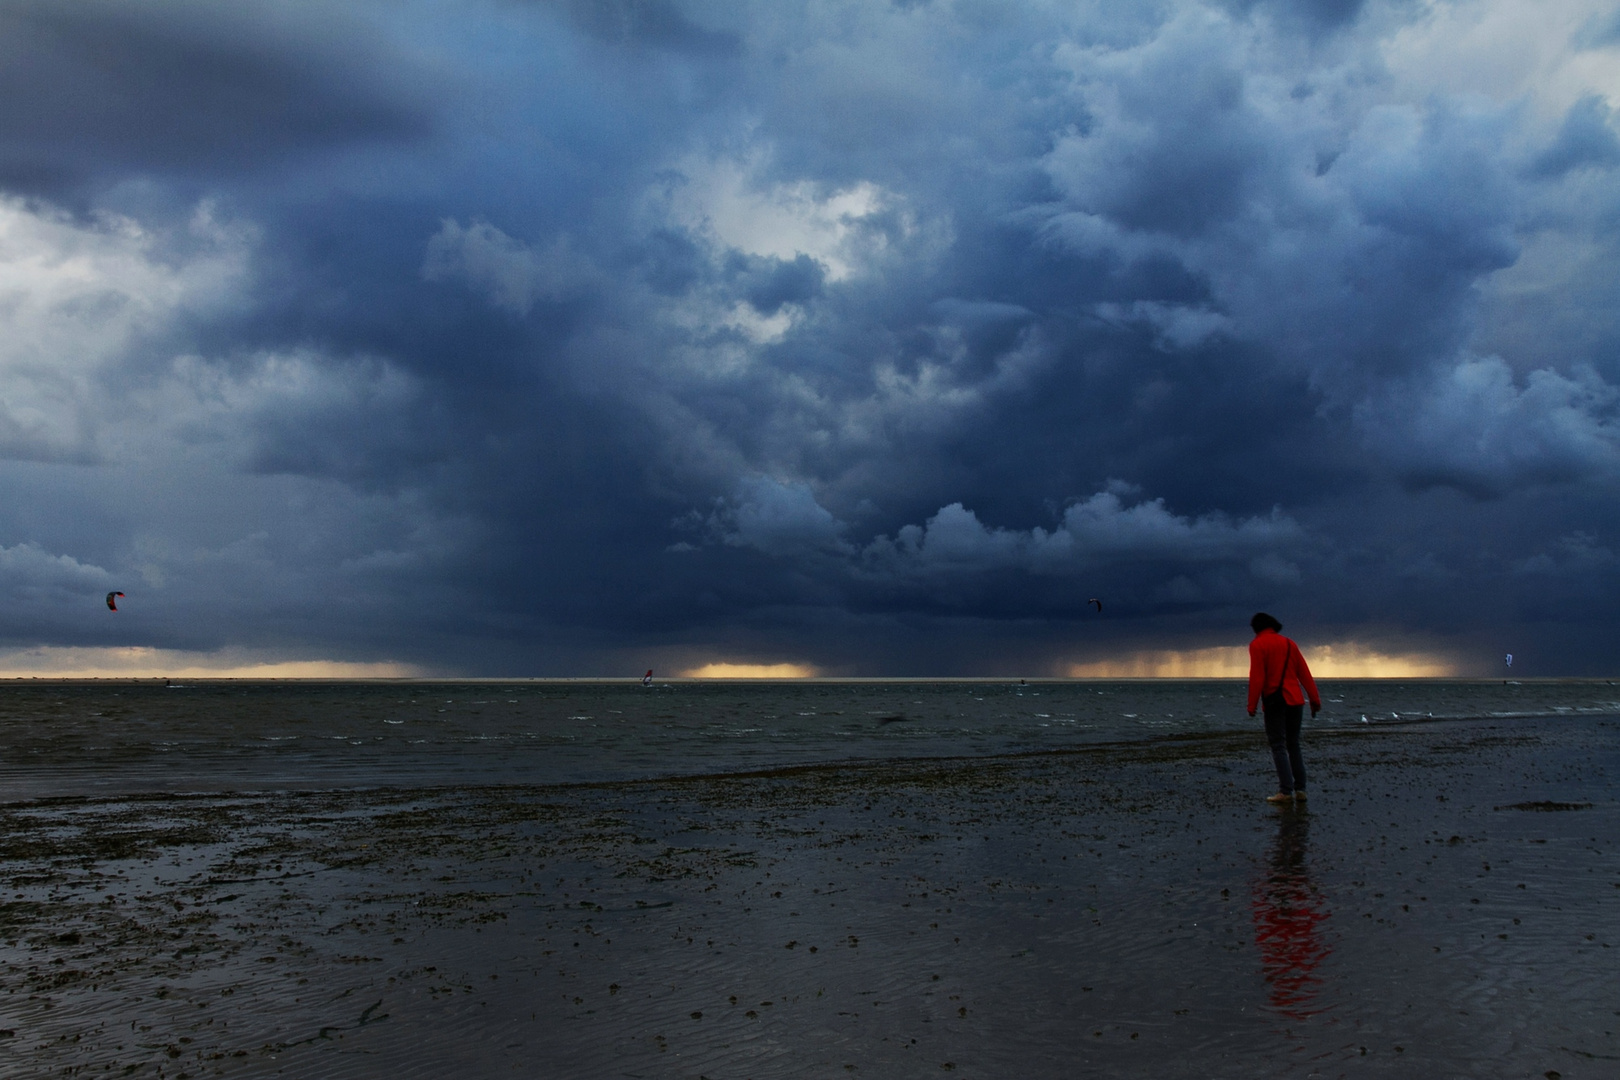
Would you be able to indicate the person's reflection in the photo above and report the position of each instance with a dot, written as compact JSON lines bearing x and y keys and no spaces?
{"x":1289,"y":918}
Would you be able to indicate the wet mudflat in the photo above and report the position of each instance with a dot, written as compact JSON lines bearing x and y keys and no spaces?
{"x":1449,"y":904}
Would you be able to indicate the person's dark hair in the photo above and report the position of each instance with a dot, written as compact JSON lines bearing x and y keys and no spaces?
{"x":1262,"y":621}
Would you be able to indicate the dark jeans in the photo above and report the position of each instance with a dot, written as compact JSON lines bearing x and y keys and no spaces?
{"x":1282,"y":732}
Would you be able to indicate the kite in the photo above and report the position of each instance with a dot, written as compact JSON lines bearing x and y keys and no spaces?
{"x":1509,"y":659}
{"x":1096,"y":601}
{"x":112,"y":600}
{"x":646,"y":680}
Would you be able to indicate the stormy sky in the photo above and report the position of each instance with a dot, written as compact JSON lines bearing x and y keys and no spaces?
{"x":575,"y":337}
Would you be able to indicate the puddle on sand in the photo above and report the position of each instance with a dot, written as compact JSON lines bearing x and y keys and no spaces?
{"x":1122,"y":912}
{"x":1290,"y":922}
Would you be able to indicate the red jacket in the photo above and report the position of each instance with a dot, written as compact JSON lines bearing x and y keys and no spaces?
{"x":1268,"y":653}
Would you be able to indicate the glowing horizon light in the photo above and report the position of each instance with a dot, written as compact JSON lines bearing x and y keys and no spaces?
{"x":140,"y":662}
{"x":1340,"y":660}
{"x":752,"y":671}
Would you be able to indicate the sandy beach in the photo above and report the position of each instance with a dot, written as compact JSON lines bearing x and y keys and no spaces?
{"x":1447,"y":905}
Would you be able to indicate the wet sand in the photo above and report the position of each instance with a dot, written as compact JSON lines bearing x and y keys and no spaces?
{"x":1447,"y":905}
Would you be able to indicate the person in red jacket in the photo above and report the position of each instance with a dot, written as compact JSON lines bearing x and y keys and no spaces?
{"x":1277,"y":675}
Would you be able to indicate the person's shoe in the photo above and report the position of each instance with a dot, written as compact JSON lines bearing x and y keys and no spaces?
{"x":1299,"y":794}
{"x":1280,"y":797}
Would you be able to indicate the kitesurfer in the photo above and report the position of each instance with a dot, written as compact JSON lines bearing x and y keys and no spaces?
{"x":1277,"y":674}
{"x":646,"y":680}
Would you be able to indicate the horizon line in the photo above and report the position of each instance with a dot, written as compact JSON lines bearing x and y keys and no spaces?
{"x":785,"y":680}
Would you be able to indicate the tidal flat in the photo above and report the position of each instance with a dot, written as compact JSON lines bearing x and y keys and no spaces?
{"x":1447,"y":903}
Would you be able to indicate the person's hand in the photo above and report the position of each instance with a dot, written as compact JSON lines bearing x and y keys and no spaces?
{"x":1251,"y":714}
{"x":1314,"y":710}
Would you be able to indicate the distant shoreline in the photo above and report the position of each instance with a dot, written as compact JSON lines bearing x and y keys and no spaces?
{"x":819,"y":680}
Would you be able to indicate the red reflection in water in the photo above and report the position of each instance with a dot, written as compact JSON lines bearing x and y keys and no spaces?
{"x":1288,"y":923}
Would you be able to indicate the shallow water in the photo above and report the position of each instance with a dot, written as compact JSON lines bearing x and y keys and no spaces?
{"x":103,"y":737}
{"x":1446,"y":906}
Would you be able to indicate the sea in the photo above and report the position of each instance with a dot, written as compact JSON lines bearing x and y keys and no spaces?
{"x":109,"y":737}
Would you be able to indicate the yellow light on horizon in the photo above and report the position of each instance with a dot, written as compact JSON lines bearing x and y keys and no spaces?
{"x":140,"y":662}
{"x":1340,"y":660}
{"x":752,"y":671}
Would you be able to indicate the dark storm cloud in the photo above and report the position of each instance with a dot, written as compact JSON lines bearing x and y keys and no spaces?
{"x":1603,"y":28}
{"x":1586,"y":140}
{"x":102,"y":89}
{"x":874,"y":336}
{"x":1314,"y":16}
{"x":655,"y":23}
{"x":767,"y":284}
